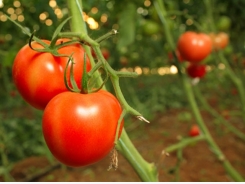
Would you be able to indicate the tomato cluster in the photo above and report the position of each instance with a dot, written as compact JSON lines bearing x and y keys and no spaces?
{"x":194,"y":48}
{"x":79,"y":129}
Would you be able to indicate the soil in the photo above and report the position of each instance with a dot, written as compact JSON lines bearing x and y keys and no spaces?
{"x":198,"y":162}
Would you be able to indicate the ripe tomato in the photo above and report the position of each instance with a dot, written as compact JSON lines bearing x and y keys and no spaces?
{"x":220,"y":40}
{"x":194,"y":131}
{"x":39,"y":76}
{"x":80,"y":129}
{"x":194,"y":47}
{"x":196,"y":70}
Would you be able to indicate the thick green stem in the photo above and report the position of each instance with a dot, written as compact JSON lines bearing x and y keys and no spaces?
{"x":78,"y":26}
{"x":145,"y":170}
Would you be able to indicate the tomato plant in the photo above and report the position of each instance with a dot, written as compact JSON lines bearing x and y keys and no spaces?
{"x":220,"y":40}
{"x":39,"y":76}
{"x":194,"y":131}
{"x":80,"y":129}
{"x":196,"y":70}
{"x":194,"y":47}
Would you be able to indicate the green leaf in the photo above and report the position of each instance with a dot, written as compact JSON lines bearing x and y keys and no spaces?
{"x":127,"y":23}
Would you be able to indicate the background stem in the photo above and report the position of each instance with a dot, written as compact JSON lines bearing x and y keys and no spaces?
{"x":230,"y":73}
{"x":214,"y":113}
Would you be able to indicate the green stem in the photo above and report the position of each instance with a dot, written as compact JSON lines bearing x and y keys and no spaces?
{"x":159,"y":5}
{"x":115,"y":82}
{"x":236,"y":80}
{"x":209,"y":8}
{"x":78,"y":27}
{"x":184,"y":142}
{"x":177,"y":167}
{"x":162,"y":13}
{"x":216,"y":150}
{"x":145,"y":170}
{"x":214,"y":113}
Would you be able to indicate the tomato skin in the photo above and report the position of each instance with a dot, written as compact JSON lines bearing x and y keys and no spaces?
{"x":39,"y":76}
{"x":194,"y":47}
{"x":80,"y":129}
{"x":194,"y":131}
{"x":196,"y":70}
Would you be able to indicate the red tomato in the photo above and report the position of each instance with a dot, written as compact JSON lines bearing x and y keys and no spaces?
{"x":196,"y":70}
{"x":80,"y":129}
{"x":194,"y":47}
{"x":194,"y":131}
{"x":39,"y":76}
{"x":220,"y":40}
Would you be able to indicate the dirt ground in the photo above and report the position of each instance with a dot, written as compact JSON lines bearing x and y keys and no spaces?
{"x":198,"y":163}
